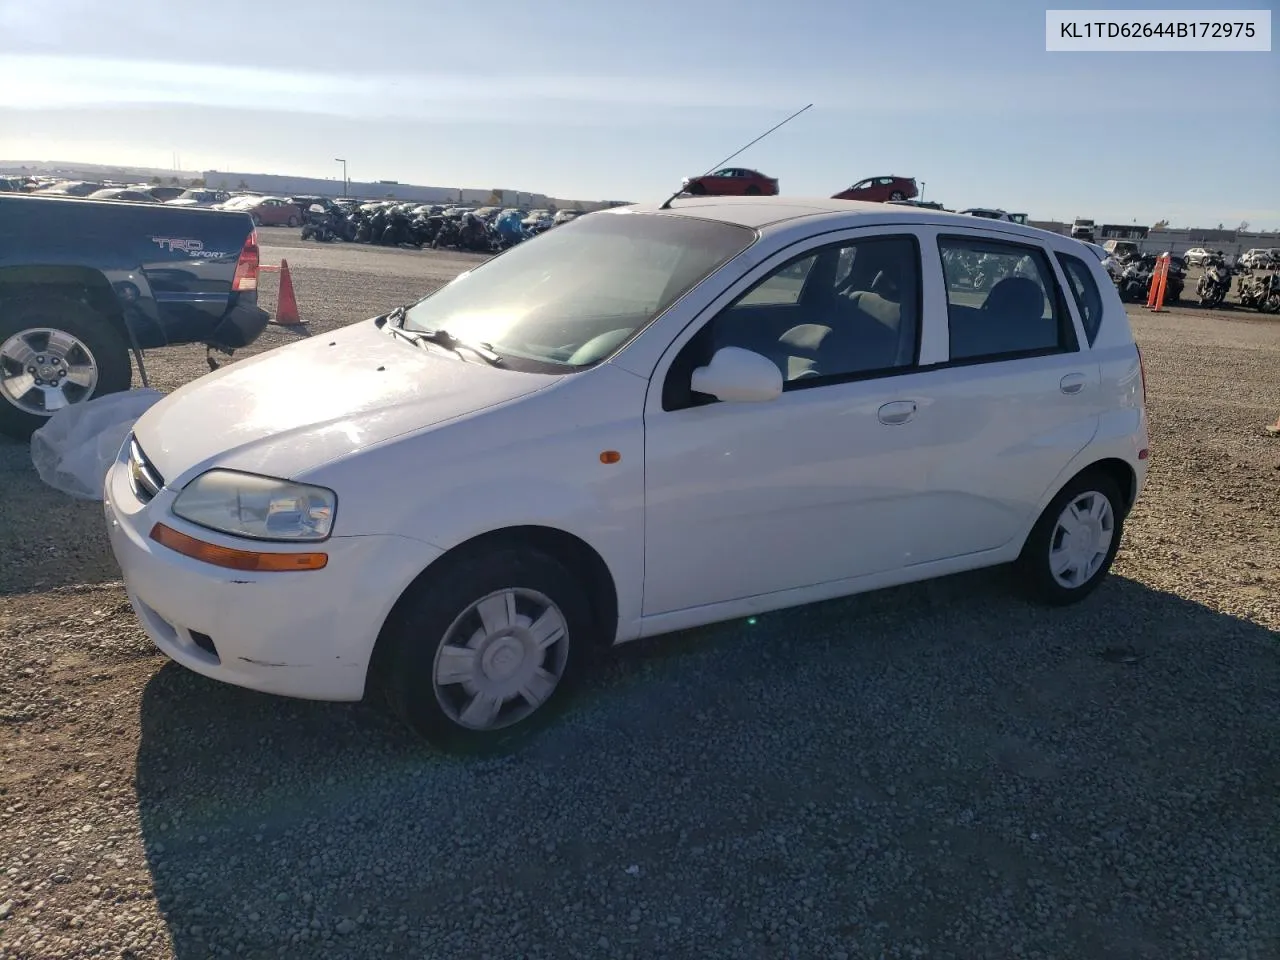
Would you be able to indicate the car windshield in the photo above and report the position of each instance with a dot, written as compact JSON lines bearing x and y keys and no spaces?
{"x":572,"y":296}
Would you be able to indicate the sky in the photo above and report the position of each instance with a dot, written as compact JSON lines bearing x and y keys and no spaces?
{"x":586,"y":99}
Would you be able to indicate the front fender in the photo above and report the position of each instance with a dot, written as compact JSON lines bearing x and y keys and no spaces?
{"x":535,"y":462}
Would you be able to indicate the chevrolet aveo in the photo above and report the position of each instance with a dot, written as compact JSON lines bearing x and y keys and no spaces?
{"x":648,"y":419}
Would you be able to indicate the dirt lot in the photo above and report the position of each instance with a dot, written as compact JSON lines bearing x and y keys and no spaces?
{"x":935,"y":771}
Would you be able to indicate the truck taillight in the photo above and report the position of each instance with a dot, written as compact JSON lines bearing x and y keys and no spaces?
{"x":246,"y":276}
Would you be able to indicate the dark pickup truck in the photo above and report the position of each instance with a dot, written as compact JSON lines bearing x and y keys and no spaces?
{"x":84,"y":282}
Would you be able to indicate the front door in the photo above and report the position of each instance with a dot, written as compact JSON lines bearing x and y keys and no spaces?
{"x":745,"y":499}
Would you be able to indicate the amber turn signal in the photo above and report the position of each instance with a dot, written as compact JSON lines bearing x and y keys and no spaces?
{"x":250,"y":560}
{"x":610,"y":456}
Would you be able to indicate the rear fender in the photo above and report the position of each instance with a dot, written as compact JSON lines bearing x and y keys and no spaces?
{"x":123,"y":297}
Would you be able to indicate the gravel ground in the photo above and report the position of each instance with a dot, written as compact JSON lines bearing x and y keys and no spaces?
{"x":933,"y":771}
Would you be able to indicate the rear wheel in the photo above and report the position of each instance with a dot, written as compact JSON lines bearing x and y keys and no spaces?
{"x":293,"y":221}
{"x":752,"y":191}
{"x":55,"y":352}
{"x":897,"y":195}
{"x":483,"y":654}
{"x":1072,"y":546}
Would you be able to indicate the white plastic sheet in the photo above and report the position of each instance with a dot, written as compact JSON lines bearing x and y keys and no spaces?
{"x":74,"y":450}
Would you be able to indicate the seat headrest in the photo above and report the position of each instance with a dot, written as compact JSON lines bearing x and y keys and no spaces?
{"x":1016,"y":296}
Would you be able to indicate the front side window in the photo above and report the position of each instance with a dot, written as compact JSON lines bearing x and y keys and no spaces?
{"x":570,"y":297}
{"x":846,"y":311}
{"x":1002,"y":301}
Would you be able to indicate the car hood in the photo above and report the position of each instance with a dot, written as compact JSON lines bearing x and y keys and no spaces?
{"x":287,"y":411}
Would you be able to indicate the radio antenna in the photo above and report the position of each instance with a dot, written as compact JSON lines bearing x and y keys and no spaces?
{"x":667,"y":204}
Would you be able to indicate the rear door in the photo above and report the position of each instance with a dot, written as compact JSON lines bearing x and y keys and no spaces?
{"x":1017,"y":397}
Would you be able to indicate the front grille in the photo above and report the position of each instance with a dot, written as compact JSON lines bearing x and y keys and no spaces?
{"x":144,"y":478}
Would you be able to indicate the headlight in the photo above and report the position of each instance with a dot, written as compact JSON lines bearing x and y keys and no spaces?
{"x":261,"y":508}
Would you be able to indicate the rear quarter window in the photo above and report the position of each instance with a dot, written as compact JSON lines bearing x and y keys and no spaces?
{"x":1085,"y":292}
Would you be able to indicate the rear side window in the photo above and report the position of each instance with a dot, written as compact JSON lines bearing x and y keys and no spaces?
{"x":1003,"y":301}
{"x":1085,"y":291}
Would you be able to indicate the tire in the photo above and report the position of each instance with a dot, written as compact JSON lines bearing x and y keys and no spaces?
{"x":257,"y":220}
{"x":293,"y":221}
{"x":441,"y":609}
{"x":697,"y":189}
{"x":897,"y":195}
{"x":97,"y":342}
{"x":1034,"y":567}
{"x":752,"y":191}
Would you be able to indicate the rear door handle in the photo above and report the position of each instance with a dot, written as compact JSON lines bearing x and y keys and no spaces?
{"x":900,"y":411}
{"x":1072,"y":383}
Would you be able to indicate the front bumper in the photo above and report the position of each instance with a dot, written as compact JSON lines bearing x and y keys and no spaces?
{"x":306,"y":634}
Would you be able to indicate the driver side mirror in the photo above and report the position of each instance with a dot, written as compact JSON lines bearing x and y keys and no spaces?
{"x":735,"y":375}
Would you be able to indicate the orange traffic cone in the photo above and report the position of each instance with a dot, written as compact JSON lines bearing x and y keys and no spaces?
{"x":286,"y":303}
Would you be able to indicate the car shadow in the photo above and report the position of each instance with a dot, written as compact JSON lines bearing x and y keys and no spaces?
{"x":278,"y":828}
{"x":37,"y":523}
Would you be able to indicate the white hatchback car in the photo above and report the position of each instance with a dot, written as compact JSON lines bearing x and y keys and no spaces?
{"x":645,"y":420}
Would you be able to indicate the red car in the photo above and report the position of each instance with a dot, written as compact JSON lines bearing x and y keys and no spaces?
{"x":880,"y":189}
{"x":732,"y":182}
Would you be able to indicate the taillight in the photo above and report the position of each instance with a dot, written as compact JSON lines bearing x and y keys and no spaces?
{"x":1142,"y":374}
{"x":246,"y":276}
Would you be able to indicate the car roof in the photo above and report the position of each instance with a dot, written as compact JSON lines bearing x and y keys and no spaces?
{"x":773,"y":213}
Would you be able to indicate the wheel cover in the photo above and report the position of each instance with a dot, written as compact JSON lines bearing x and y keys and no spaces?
{"x":501,"y":659}
{"x":43,"y":370}
{"x":1081,"y":539}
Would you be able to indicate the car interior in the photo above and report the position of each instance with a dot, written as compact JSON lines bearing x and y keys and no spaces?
{"x":842,"y":311}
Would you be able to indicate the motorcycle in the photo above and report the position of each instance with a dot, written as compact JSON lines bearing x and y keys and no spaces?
{"x":1260,"y":293}
{"x":447,"y":235}
{"x":473,"y":235}
{"x":1135,"y":282}
{"x":397,"y":231}
{"x":508,"y":230}
{"x":1214,"y":284}
{"x":319,"y":225}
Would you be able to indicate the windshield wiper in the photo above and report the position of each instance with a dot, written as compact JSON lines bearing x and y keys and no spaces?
{"x":447,"y":340}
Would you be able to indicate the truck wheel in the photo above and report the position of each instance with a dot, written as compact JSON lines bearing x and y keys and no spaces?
{"x":54,"y":352}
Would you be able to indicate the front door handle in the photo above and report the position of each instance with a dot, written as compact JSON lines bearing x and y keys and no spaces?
{"x":900,"y":411}
{"x":1072,"y":383}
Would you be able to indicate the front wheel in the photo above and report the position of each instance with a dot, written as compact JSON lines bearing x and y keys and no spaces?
{"x":55,"y":352}
{"x":1072,"y":546}
{"x":486,"y":651}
